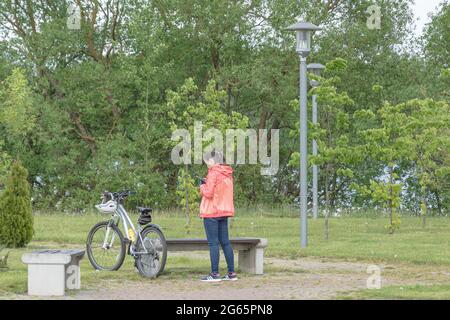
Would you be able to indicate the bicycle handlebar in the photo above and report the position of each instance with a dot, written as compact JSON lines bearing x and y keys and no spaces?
{"x":119,"y":195}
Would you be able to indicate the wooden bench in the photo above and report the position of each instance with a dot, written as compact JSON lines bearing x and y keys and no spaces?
{"x":251,"y":251}
{"x":50,"y":272}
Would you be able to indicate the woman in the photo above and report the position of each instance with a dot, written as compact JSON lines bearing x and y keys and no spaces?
{"x":215,"y":208}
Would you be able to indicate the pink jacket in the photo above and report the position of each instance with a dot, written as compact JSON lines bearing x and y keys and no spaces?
{"x":217,"y":193}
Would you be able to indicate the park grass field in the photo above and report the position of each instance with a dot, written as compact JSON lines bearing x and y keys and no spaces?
{"x":420,"y":292}
{"x":351,"y":239}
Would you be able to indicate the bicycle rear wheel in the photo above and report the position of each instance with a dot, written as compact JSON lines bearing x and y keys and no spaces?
{"x":151,"y":252}
{"x":105,"y":246}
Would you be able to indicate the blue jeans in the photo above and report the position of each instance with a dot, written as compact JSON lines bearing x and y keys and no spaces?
{"x":217,"y":232}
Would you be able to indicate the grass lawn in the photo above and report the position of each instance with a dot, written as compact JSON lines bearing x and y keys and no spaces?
{"x":350,"y":239}
{"x":431,"y":292}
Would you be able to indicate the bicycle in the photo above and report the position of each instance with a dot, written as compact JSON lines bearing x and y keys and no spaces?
{"x":106,"y":245}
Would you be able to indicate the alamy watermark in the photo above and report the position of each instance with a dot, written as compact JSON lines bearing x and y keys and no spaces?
{"x":235,"y":142}
{"x":374,"y":279}
{"x":374,"y":20}
{"x":74,"y":17}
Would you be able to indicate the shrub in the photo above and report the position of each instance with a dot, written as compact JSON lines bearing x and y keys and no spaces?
{"x":16,"y":220}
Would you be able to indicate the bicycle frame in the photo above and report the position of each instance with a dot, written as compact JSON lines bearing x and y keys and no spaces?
{"x":121,"y":215}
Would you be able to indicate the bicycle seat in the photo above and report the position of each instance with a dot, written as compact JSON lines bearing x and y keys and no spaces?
{"x":143,"y":210}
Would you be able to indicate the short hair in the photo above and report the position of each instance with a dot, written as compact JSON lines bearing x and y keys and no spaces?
{"x":217,"y":156}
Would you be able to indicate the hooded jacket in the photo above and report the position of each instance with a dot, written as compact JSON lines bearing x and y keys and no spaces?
{"x":217,"y":193}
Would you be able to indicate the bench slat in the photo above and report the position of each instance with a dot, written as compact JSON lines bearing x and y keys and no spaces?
{"x":72,"y":252}
{"x":188,"y":241}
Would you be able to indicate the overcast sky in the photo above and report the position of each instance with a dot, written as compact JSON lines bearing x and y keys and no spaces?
{"x":421,"y":10}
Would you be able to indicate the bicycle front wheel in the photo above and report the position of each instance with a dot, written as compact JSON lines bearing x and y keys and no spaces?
{"x":105,"y":246}
{"x":151,"y":252}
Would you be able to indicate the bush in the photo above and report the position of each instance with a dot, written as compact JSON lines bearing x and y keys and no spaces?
{"x":16,"y":220}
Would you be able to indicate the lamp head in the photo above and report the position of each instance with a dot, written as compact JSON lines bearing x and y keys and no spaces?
{"x":315,"y":68}
{"x":303,"y":31}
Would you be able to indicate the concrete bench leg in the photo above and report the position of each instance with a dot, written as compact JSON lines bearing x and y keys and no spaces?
{"x":73,"y":274}
{"x":46,"y":280}
{"x":252,"y":261}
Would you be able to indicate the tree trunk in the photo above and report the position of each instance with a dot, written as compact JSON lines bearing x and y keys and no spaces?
{"x":229,"y":99}
{"x":424,"y":210}
{"x":391,"y":229}
{"x":188,"y":218}
{"x":83,"y":131}
{"x":327,"y":201}
{"x":262,"y":119}
{"x":333,"y":190}
{"x":327,"y":176}
{"x":438,"y":202}
{"x":424,"y":221}
{"x":215,"y":59}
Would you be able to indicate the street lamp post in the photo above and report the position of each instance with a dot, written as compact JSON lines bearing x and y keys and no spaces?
{"x":303,"y":32}
{"x":315,"y":68}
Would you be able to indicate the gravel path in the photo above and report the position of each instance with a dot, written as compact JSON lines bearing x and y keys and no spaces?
{"x":305,"y":278}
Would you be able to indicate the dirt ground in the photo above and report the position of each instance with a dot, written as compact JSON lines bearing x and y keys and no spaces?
{"x":305,"y":278}
{"x":300,"y":279}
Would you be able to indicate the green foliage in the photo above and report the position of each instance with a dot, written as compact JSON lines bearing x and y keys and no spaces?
{"x":5,"y":162}
{"x":16,"y":219}
{"x":189,"y":195}
{"x":336,"y":154}
{"x":185,"y":108}
{"x":377,"y":88}
{"x":411,"y":140}
{"x":428,"y":137}
{"x":387,"y":146}
{"x":17,"y":117}
{"x":94,"y":109}
{"x":437,"y":35}
{"x":16,"y":104}
{"x":445,"y":74}
{"x":337,"y":66}
{"x":388,"y":194}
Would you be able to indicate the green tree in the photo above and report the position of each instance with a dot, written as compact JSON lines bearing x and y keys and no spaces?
{"x":99,"y":111}
{"x":387,"y":193}
{"x":187,"y":106}
{"x":387,"y":144}
{"x":428,"y":131}
{"x":189,"y":195}
{"x":335,"y":153}
{"x":16,"y":219}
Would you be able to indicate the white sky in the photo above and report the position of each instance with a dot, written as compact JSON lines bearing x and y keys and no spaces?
{"x":421,"y":9}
